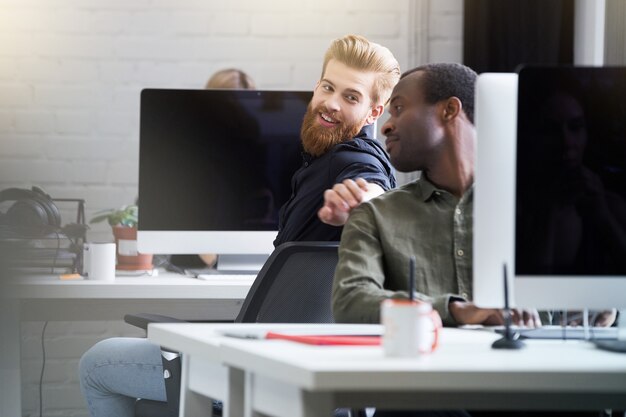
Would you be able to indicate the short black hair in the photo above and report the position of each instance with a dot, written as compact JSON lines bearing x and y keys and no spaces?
{"x":445,"y":80}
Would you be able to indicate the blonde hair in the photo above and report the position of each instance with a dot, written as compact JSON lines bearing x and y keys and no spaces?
{"x":231,"y":78}
{"x":357,"y":52}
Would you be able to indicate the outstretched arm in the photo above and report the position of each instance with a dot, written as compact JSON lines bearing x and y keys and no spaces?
{"x":343,"y":197}
{"x":358,"y":288}
{"x":371,"y":269}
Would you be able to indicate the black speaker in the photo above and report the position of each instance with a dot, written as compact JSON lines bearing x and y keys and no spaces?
{"x":33,"y":214}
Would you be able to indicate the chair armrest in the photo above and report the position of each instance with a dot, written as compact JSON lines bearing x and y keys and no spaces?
{"x":142,"y":320}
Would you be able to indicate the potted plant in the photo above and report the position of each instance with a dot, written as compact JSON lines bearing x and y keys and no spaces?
{"x":123,"y":221}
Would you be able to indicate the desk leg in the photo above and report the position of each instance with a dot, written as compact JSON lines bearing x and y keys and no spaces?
{"x":268,"y":396}
{"x":10,"y":376}
{"x":192,"y":404}
{"x":248,"y":409}
{"x":203,"y":380}
{"x":234,"y":402}
{"x":316,"y":404}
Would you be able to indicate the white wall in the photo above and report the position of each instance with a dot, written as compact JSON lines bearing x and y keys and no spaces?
{"x":70,"y":76}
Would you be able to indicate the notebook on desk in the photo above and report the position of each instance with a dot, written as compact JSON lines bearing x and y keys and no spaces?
{"x":227,"y":277}
{"x":327,"y":340}
{"x":307,"y":331}
{"x":560,"y":332}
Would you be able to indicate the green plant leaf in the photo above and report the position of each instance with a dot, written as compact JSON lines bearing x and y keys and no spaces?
{"x":124,"y":216}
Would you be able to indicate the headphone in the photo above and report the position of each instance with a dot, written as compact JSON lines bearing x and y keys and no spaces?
{"x":33,"y":214}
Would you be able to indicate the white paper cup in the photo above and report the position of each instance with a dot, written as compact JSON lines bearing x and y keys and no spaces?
{"x":411,"y":328}
{"x":99,"y":261}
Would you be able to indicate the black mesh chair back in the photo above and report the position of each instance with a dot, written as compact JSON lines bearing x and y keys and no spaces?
{"x":294,"y":285}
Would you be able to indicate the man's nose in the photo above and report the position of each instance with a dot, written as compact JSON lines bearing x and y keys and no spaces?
{"x":388,"y":127}
{"x":332,"y":103}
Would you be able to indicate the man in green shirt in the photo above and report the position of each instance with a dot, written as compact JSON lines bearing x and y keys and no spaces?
{"x":431,"y":130}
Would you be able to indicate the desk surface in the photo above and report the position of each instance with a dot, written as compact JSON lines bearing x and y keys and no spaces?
{"x":45,"y":297}
{"x":163,"y":286}
{"x":465,"y":372}
{"x":194,"y":338}
{"x":464,"y":359}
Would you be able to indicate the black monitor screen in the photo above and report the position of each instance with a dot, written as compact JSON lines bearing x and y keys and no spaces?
{"x":217,"y":160}
{"x":571,"y":172}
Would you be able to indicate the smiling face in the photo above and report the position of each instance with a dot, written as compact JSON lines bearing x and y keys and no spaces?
{"x":414,"y":130}
{"x":340,"y":107}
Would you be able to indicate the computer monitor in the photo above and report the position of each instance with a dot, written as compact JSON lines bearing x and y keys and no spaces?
{"x":568,"y":156}
{"x":215,"y":167}
{"x":495,"y":118}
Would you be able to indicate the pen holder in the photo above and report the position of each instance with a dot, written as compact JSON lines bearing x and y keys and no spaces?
{"x":411,"y":328}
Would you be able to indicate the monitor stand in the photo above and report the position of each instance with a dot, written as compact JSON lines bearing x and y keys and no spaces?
{"x":241,"y":263}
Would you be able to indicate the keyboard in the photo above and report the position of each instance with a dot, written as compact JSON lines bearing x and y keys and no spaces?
{"x":228,"y":277}
{"x":558,"y":332}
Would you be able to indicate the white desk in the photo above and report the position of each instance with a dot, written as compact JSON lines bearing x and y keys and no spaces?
{"x":40,"y":298}
{"x":48,"y":298}
{"x":205,"y":376}
{"x":280,"y":378}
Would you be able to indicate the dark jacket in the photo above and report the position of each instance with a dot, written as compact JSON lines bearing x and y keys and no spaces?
{"x":361,"y":157}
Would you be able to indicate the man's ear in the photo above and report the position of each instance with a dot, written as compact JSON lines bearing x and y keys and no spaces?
{"x":375,"y":113}
{"x":452,"y":107}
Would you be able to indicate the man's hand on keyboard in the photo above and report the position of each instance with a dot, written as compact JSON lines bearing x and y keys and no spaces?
{"x":468,"y":313}
{"x":605,"y":318}
{"x":596,"y":318}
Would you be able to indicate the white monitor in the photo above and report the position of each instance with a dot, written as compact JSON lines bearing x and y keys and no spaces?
{"x":495,"y":118}
{"x":550,"y":196}
{"x":215,"y":167}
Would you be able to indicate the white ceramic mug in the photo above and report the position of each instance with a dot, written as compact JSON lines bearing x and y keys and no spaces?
{"x":411,"y":328}
{"x":99,"y":261}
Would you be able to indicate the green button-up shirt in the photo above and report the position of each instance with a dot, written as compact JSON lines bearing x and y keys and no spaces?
{"x":381,"y":235}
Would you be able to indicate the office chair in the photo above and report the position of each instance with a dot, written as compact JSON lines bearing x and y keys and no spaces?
{"x":294,"y":286}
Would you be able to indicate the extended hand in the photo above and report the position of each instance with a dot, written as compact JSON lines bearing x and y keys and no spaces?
{"x":343,"y":197}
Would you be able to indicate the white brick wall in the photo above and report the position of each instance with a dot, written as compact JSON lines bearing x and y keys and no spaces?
{"x":64,"y":343}
{"x":70,"y":76}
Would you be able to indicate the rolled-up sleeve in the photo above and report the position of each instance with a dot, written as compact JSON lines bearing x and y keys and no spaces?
{"x":380,"y":238}
{"x":359,"y":277}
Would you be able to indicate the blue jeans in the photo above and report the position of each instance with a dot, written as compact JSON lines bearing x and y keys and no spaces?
{"x":115,"y":372}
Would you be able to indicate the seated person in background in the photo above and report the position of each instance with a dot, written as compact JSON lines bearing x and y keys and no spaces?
{"x":229,"y":78}
{"x":337,"y":135}
{"x":430,"y":129}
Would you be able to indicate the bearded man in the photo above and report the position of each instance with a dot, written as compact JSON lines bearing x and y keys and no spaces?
{"x":338,"y":135}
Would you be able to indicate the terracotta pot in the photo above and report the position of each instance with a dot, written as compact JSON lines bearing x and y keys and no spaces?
{"x":128,"y":259}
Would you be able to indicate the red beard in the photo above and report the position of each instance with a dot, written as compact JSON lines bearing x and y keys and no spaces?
{"x":317,"y":139}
